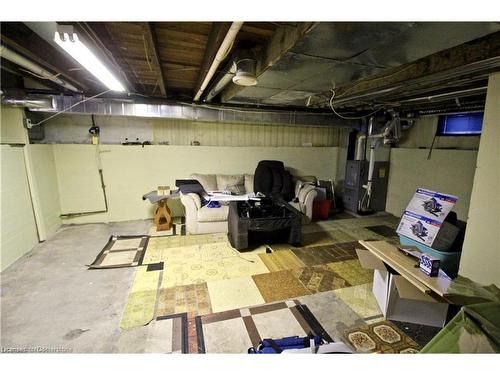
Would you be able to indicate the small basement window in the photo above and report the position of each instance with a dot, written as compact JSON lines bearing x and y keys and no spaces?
{"x":460,"y":124}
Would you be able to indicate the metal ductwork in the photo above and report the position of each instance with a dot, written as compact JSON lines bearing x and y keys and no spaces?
{"x":185,"y":111}
{"x":36,"y":69}
{"x":46,"y":104}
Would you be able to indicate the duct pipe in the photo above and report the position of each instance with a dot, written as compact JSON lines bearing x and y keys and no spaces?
{"x":360,"y":147}
{"x":224,"y":81}
{"x":16,"y":58}
{"x":224,"y":49}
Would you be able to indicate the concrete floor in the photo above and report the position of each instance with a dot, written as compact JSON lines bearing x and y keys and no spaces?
{"x":49,"y":299}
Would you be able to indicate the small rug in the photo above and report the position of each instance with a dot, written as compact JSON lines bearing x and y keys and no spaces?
{"x":121,"y":251}
{"x":381,"y":337}
{"x":420,"y":333}
{"x":352,"y":271}
{"x":188,"y":298}
{"x":140,"y":307}
{"x":313,"y":256}
{"x":281,"y":260}
{"x":319,"y":278}
{"x":325,"y":237}
{"x":361,"y":299}
{"x":280,"y":285}
{"x":383,"y":230}
{"x":235,"y":331}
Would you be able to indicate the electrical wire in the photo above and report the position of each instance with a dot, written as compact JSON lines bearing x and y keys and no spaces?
{"x":349,"y":117}
{"x":67,"y":109}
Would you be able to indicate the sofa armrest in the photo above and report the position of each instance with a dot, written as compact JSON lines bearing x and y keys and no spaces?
{"x":308,"y":203}
{"x":191,"y":201}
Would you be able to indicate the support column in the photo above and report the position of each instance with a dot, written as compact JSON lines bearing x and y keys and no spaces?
{"x":481,"y":252}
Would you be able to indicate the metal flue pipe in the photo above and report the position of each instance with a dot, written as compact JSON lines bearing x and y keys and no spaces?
{"x":16,"y":58}
{"x":224,"y":49}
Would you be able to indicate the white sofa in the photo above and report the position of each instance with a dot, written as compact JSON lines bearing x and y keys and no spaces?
{"x":201,"y":219}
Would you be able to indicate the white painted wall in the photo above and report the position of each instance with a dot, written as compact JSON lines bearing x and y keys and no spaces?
{"x":481,"y":252}
{"x":17,"y":223}
{"x":45,"y":181}
{"x":131,"y":171}
{"x":448,"y":171}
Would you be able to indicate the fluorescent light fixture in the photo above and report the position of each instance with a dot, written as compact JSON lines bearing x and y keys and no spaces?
{"x":87,"y":59}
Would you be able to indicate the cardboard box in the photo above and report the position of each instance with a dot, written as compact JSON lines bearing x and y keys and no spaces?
{"x":399,"y":299}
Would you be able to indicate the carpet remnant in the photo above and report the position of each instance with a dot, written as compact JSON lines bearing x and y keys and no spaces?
{"x":319,"y":278}
{"x":383,"y":230}
{"x":139,"y":310}
{"x":235,"y":331}
{"x":352,"y":271}
{"x":419,"y":333}
{"x":121,"y":251}
{"x":281,"y":260}
{"x":331,"y":312}
{"x":313,"y":256}
{"x":187,"y":298}
{"x":364,"y":234}
{"x":141,"y":301}
{"x":382,"y":337}
{"x":325,"y":237}
{"x":281,"y":285}
{"x":202,"y":263}
{"x":233,"y":293}
{"x":361,"y":299}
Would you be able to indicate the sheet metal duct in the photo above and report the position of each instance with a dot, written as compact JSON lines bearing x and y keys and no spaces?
{"x":187,"y":111}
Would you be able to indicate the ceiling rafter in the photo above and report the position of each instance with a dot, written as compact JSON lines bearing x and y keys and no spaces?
{"x":152,"y":40}
{"x":102,"y":38}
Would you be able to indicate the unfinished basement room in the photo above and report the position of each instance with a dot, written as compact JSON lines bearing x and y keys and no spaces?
{"x":250,"y":187}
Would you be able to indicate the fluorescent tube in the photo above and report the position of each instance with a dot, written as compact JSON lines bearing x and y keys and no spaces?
{"x":88,"y":60}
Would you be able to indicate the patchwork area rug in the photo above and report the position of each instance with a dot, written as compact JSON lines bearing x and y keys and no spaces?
{"x":202,"y":275}
{"x":121,"y":251}
{"x":381,"y":337}
{"x":235,"y":331}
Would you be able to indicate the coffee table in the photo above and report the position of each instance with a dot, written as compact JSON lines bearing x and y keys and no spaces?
{"x":267,"y":220}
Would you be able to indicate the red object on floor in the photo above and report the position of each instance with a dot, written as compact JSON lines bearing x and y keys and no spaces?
{"x":321,"y":209}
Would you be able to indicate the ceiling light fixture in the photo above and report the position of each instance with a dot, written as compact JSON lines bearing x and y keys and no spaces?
{"x":73,"y":46}
{"x":245,"y":73}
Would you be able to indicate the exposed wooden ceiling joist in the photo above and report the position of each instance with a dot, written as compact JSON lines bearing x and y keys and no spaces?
{"x":102,"y":37}
{"x":283,"y":39}
{"x":152,"y":40}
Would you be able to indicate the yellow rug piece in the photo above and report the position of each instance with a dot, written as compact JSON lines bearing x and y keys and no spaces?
{"x":139,"y":310}
{"x":352,"y":271}
{"x":209,"y":262}
{"x":144,"y":280}
{"x":141,"y":301}
{"x":234,"y":294}
{"x":281,"y":260}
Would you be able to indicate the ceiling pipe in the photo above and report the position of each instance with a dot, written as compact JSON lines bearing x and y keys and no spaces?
{"x":223,"y":82}
{"x":36,"y":69}
{"x":222,"y":53}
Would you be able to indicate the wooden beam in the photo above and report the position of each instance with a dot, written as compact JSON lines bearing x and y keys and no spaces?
{"x":153,"y":46}
{"x":283,"y":39}
{"x":103,"y":40}
{"x":215,"y":39}
{"x":441,"y":63}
